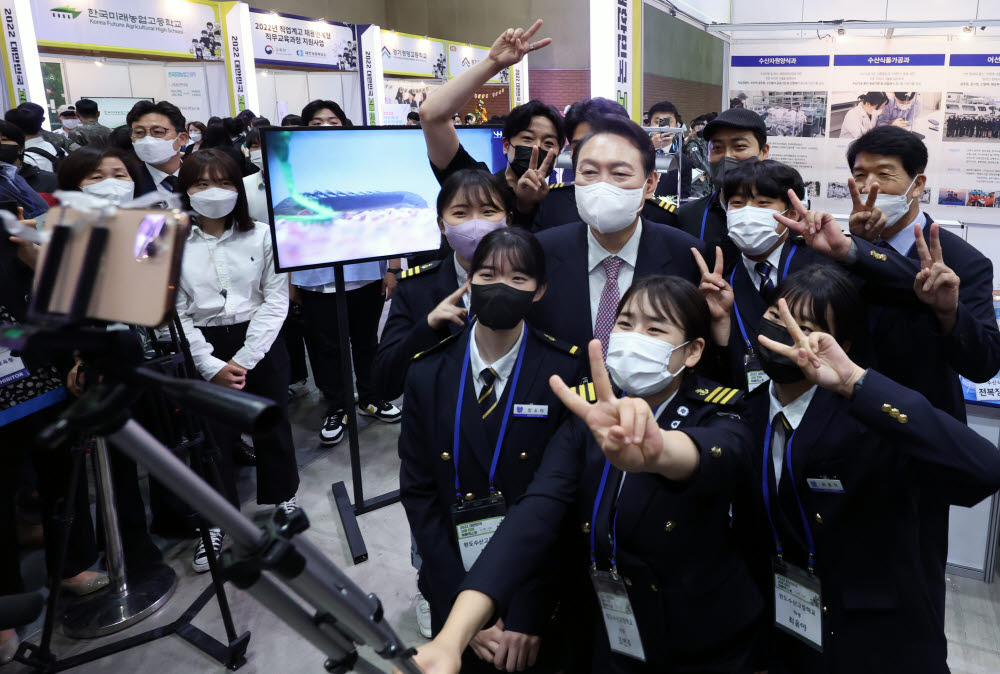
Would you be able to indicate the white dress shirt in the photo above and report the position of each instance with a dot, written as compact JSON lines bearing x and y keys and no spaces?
{"x":37,"y":159}
{"x":904,"y":240}
{"x":598,"y":277}
{"x":503,"y":366}
{"x":253,"y":185}
{"x":230,"y":280}
{"x":794,"y":412}
{"x":462,"y":275}
{"x":157,"y":175}
{"x":774,"y":259}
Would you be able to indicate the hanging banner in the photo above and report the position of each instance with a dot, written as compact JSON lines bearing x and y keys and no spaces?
{"x":21,"y":66}
{"x":413,"y":55}
{"x":370,"y":71}
{"x":286,"y":39}
{"x":616,"y":53}
{"x":241,"y":74}
{"x":175,"y":28}
{"x":188,"y":90}
{"x":519,"y":83}
{"x":463,"y":56}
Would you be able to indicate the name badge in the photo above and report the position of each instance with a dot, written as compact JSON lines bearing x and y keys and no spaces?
{"x":754,"y":373}
{"x":475,"y":524}
{"x":619,"y":620}
{"x":11,"y":368}
{"x":532,"y":411}
{"x":798,"y":605}
{"x":825,"y":485}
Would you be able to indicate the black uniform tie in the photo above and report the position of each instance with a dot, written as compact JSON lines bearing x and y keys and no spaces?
{"x":488,"y":396}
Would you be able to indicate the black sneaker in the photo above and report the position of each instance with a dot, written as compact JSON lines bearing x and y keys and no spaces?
{"x":381,"y":410}
{"x":333,"y":429}
{"x":200,"y":562}
{"x":244,"y":453}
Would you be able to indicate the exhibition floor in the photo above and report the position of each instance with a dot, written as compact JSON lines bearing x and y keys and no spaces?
{"x":972,"y":614}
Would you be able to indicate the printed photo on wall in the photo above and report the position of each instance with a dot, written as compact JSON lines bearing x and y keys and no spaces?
{"x":853,"y":113}
{"x":788,"y":113}
{"x":972,"y":117}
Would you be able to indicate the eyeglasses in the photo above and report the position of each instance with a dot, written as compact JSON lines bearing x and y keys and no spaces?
{"x":154,"y":131}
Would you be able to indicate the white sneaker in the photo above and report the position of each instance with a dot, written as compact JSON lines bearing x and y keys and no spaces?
{"x":423,"y":609}
{"x":381,"y":410}
{"x":200,"y":561}
{"x":289,"y":506}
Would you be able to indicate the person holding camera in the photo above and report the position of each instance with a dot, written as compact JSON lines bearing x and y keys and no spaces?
{"x":232,"y":304}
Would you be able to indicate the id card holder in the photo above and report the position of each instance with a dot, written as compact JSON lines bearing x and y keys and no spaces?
{"x":475,"y":523}
{"x":616,"y":607}
{"x":798,"y":603}
{"x":754,"y":372}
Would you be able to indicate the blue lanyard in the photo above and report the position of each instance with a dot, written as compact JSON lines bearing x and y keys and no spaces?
{"x":704,"y":216}
{"x":736,"y":305}
{"x":506,"y":414}
{"x":614,"y":522}
{"x":765,"y":484}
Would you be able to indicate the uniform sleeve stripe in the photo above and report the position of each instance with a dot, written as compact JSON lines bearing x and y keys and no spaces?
{"x":729,"y":397}
{"x":591,"y":394}
{"x":573,"y":351}
{"x":717,"y":398}
{"x":711,"y":395}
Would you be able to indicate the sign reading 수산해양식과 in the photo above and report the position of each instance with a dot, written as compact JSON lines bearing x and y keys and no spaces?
{"x":155,"y":27}
{"x":280,"y":39}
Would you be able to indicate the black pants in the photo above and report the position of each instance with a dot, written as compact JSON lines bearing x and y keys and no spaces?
{"x":277,"y":472}
{"x":364,"y":310}
{"x":294,"y":334}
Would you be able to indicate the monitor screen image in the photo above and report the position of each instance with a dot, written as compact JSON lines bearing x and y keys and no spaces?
{"x":339,"y":195}
{"x":114,"y":108}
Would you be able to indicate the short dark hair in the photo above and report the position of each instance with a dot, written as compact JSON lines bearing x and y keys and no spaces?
{"x":413,"y":115}
{"x":77,"y":165}
{"x":588,"y":109}
{"x":215,"y":135}
{"x":121,"y":138}
{"x":735,"y":103}
{"x":825,"y":289}
{"x":253,"y":137}
{"x":665,"y":107}
{"x":198,"y":125}
{"x":233,"y":126}
{"x":11,"y":132}
{"x":475,"y":184}
{"x":27,"y":120}
{"x":291,"y":120}
{"x":218,"y":165}
{"x":259,"y":121}
{"x":516,"y":246}
{"x":876,"y":98}
{"x":768,"y":177}
{"x":520,"y":118}
{"x":214,"y":120}
{"x":676,"y":300}
{"x":165,"y":108}
{"x":313,"y":107}
{"x":891,"y":141}
{"x":905,"y":95}
{"x":86,"y":108}
{"x":622,"y":127}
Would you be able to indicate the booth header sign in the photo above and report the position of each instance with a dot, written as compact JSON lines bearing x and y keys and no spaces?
{"x":404,"y":54}
{"x":281,"y":39}
{"x":463,"y":56}
{"x":176,"y":28}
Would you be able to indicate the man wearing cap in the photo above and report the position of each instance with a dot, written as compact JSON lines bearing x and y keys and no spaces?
{"x":734,"y":136}
{"x":68,"y":119}
{"x":90,"y":132}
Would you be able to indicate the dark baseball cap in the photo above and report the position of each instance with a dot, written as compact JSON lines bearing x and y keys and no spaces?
{"x":738,"y":118}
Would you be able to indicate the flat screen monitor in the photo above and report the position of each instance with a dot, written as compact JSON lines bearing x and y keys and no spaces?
{"x":115,"y":108}
{"x":338,"y":195}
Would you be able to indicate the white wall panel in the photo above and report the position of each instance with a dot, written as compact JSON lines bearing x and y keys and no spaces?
{"x":85,"y":78}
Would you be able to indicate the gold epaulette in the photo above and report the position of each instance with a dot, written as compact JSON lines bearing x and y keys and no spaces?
{"x":559,"y":344}
{"x":586,"y":390}
{"x":719,"y":395}
{"x":416,"y":271}
{"x":662,"y":202}
{"x":437,"y":347}
{"x":559,"y":186}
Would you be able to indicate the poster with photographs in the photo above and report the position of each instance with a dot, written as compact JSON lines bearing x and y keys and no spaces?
{"x":817,"y":101}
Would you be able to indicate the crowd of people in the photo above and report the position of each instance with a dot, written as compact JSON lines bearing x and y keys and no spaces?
{"x":972,"y":126}
{"x":634,"y":437}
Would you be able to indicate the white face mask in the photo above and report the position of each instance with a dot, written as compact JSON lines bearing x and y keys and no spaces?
{"x":195,"y":137}
{"x":895,"y":206}
{"x":257,"y":158}
{"x":752,"y":229}
{"x":215,"y":202}
{"x":639,"y":364}
{"x":155,"y":151}
{"x":70,"y":123}
{"x":114,"y":190}
{"x":607,"y":208}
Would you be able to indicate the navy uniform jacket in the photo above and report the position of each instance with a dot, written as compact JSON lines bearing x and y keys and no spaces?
{"x":427,"y":474}
{"x":564,"y":310}
{"x":559,"y":208}
{"x":689,"y":587}
{"x":897,"y":457}
{"x":704,"y":219}
{"x":406,"y":332}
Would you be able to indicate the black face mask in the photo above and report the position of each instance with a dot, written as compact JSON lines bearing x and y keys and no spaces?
{"x":721,"y":167}
{"x":781,"y":369}
{"x":522,"y":159}
{"x":499,"y":306}
{"x":9,"y":154}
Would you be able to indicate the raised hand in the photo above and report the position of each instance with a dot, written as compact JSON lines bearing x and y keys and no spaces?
{"x":514,"y":43}
{"x":820,"y":230}
{"x":533,"y":186}
{"x":624,"y":428}
{"x":718,"y":293}
{"x":936,"y":284}
{"x":450,"y":310}
{"x":822,"y":360}
{"x":867,"y":220}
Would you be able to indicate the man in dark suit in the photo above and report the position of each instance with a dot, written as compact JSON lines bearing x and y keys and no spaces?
{"x":158,"y":136}
{"x":592,"y":263}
